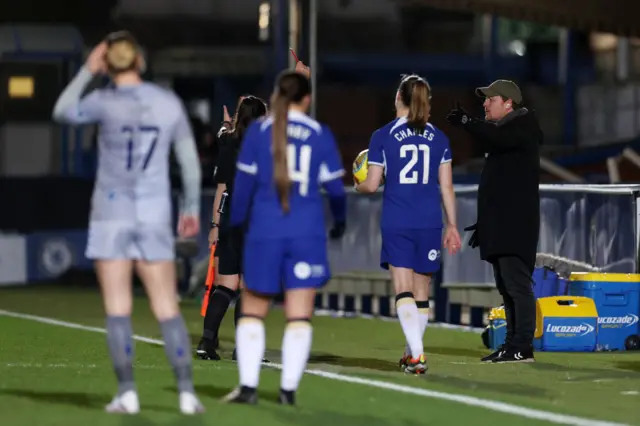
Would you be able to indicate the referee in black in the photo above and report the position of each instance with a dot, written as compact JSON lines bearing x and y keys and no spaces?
{"x":508,"y":219}
{"x":229,"y":240}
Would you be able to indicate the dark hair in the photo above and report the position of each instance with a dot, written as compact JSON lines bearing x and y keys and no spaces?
{"x":415,"y":93}
{"x":240,"y":99}
{"x":514,"y":104}
{"x":291,"y":88}
{"x":248,"y":110}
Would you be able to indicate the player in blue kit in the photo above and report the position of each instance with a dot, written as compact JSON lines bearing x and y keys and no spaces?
{"x":416,"y":161}
{"x":284,"y":161}
{"x":131,"y":216}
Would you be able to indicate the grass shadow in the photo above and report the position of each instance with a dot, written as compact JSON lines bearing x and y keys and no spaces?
{"x":628,"y":365}
{"x":513,"y":388}
{"x":217,"y":392}
{"x":466,"y":352}
{"x":195,"y":339}
{"x":310,"y":417}
{"x":76,"y":399}
{"x":587,"y":374}
{"x":448,"y":380}
{"x":370,"y":363}
{"x":302,"y":416}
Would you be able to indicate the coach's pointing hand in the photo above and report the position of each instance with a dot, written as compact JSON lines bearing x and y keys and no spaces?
{"x":458,"y":116}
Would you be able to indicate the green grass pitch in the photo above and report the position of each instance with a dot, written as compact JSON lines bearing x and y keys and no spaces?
{"x":51,"y":374}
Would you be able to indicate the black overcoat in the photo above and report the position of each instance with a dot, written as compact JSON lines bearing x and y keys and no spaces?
{"x":508,"y":194}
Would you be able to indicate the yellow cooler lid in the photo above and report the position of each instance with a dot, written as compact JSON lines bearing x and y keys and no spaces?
{"x":605,"y":276}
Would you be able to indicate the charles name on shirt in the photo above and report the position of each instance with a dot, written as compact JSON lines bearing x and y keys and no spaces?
{"x":407,"y":133}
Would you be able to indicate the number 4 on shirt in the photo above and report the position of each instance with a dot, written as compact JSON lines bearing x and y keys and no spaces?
{"x":299,"y":164}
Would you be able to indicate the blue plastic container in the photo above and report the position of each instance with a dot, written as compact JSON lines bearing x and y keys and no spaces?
{"x":546,"y":283}
{"x":617,"y":299}
{"x":497,"y":332}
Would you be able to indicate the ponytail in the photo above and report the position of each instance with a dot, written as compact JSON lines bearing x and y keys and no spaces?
{"x":419,"y":107}
{"x":291,"y":88}
{"x":280,"y":111}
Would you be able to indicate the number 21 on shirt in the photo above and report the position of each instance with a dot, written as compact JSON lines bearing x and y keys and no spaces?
{"x":409,"y":173}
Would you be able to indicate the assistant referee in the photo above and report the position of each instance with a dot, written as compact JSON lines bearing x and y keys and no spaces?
{"x":230,"y":240}
{"x":508,"y":221}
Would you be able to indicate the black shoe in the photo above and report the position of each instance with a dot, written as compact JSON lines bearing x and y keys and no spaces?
{"x":494,"y":355}
{"x":234,"y":357}
{"x":206,"y":350}
{"x":516,"y":355}
{"x":287,"y":397}
{"x":200,"y":352}
{"x":242,"y":395}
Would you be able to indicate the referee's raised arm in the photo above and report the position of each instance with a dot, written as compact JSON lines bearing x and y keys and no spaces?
{"x":508,"y":219}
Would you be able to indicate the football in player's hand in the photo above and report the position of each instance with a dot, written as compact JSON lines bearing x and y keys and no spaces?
{"x":361,"y":167}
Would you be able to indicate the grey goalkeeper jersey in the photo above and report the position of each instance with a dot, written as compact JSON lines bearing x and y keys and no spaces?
{"x":137,"y":126}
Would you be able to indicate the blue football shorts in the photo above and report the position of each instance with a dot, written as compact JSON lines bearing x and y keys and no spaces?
{"x":416,"y":249}
{"x":276,"y":265}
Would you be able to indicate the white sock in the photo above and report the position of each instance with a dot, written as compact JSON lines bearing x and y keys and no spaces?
{"x":296,"y":346}
{"x":250,"y":345}
{"x":423,"y":314}
{"x":409,"y":320}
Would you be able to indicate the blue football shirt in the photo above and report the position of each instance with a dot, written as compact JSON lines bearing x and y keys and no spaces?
{"x":314,"y":162}
{"x":411,"y":159}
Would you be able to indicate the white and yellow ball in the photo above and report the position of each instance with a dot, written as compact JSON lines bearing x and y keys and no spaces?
{"x":361,"y":167}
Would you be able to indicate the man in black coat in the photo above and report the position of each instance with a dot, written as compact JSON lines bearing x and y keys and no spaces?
{"x":508,"y":221}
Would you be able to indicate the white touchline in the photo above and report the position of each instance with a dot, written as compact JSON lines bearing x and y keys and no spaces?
{"x":488,"y":404}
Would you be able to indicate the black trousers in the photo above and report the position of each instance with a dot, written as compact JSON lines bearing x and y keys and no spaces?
{"x":514,"y":282}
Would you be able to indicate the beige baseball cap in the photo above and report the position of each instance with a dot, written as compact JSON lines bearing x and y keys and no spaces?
{"x":506,"y":88}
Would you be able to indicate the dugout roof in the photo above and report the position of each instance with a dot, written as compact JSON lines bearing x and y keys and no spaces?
{"x":621,"y":17}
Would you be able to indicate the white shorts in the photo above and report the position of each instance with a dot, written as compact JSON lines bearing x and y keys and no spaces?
{"x":126,"y":240}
